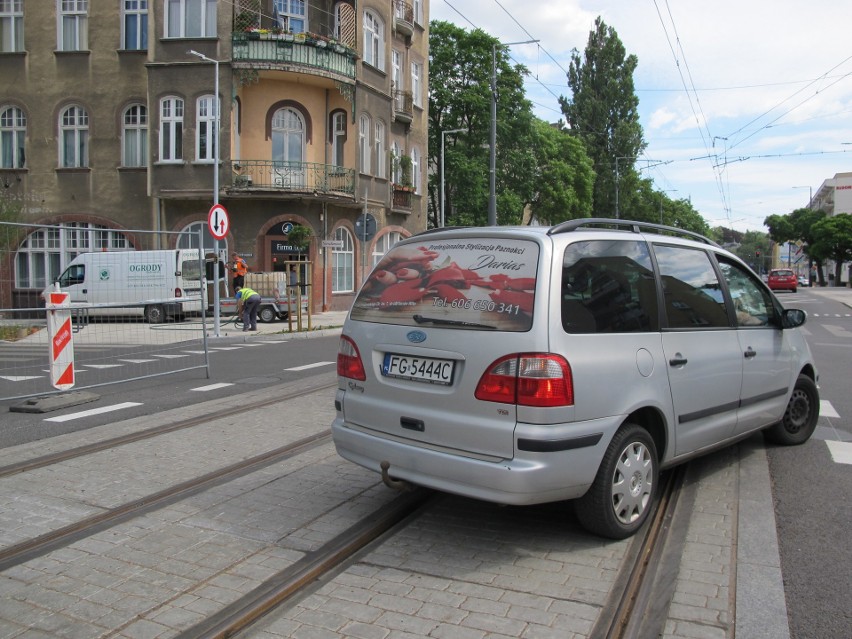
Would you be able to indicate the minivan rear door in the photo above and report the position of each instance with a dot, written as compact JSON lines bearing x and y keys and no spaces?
{"x":429,"y":321}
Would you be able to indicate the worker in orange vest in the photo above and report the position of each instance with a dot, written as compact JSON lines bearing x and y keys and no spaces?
{"x":239,"y":268}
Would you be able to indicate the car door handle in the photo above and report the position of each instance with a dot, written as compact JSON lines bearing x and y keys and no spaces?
{"x":750,"y":353}
{"x":677,"y":360}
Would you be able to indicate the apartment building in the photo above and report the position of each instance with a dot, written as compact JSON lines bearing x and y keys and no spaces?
{"x":108,"y":124}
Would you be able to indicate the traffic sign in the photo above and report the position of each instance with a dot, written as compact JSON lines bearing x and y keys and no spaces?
{"x":365,"y":227}
{"x":218,"y":222}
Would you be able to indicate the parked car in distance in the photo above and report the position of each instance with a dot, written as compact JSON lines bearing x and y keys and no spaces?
{"x":782,"y":279}
{"x":804,"y":281}
{"x":524,"y":365}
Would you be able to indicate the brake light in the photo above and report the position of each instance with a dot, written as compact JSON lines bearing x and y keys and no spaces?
{"x":178,"y":292}
{"x":528,"y":379}
{"x":349,"y":362}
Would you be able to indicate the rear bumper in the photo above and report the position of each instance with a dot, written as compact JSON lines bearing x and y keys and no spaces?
{"x":559,"y":471}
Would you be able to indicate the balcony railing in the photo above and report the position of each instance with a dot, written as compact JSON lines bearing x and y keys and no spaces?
{"x":402,"y":197}
{"x":252,"y":175}
{"x":403,"y":105}
{"x":403,"y":14}
{"x":284,"y":50}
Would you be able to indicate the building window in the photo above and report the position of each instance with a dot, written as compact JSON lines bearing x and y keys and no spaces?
{"x":134,"y":136}
{"x":11,"y":26}
{"x":45,"y":253}
{"x":171,"y":129}
{"x":73,"y":25}
{"x":396,"y":165}
{"x":396,"y":71}
{"x":364,"y":144}
{"x":134,"y":25}
{"x":374,"y":41}
{"x":343,"y":263}
{"x":384,"y":244}
{"x":381,"y":155}
{"x":338,"y":138}
{"x":417,"y":83}
{"x":190,"y":19}
{"x":13,"y":133}
{"x":74,"y":138}
{"x":290,"y":15}
{"x":418,"y":11}
{"x":189,"y":239}
{"x":415,"y":169}
{"x":288,"y":149}
{"x":205,"y":129}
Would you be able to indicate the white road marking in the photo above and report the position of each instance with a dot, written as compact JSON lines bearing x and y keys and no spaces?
{"x":211,"y":387}
{"x":826,"y":409}
{"x":19,"y":378}
{"x":307,"y":366}
{"x":169,"y":356}
{"x":93,"y":411}
{"x":138,"y":361}
{"x":102,"y":365}
{"x":226,"y":348}
{"x":194,"y":352}
{"x":841,"y":452}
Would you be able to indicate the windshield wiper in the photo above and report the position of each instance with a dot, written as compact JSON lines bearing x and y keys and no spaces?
{"x":420,"y":319}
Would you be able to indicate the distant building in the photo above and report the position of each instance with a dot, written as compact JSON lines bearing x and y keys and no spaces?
{"x":108,"y":124}
{"x":834,"y":196}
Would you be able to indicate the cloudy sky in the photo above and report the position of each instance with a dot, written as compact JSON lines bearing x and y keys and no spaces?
{"x":746,"y":105}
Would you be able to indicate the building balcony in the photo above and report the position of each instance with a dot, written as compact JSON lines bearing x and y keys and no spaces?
{"x":251,"y":176}
{"x":298,"y":53}
{"x":403,"y":106}
{"x":401,"y":198}
{"x":403,"y":17}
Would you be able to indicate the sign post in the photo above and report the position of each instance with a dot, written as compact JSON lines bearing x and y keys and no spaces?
{"x":61,"y":342}
{"x":219,"y":225}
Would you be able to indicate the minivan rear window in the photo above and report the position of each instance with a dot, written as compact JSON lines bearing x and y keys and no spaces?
{"x":473,"y":284}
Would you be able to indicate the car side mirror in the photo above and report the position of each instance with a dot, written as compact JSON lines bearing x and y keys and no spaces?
{"x":793,"y":318}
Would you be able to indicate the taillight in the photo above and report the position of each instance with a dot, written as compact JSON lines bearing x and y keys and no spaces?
{"x":528,"y":379}
{"x":349,"y":360}
{"x":178,"y":292}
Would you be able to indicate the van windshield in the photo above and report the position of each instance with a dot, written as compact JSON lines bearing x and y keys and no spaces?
{"x":473,"y":284}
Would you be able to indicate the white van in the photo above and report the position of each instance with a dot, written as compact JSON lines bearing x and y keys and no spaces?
{"x":154,"y":284}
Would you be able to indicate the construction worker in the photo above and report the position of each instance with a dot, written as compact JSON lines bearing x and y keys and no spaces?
{"x":239,"y":268}
{"x":248,"y":302}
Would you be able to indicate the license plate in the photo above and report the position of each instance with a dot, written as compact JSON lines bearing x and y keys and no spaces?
{"x":419,"y":369}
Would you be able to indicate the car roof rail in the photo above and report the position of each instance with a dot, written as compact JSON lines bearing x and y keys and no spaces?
{"x":627,"y":225}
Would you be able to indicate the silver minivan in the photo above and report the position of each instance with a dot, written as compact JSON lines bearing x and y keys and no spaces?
{"x":524,"y":365}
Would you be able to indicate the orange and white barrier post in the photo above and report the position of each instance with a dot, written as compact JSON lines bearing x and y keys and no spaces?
{"x":61,"y":343}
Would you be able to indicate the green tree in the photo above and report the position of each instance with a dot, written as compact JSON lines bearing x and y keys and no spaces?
{"x":603,"y":112}
{"x":460,"y":65}
{"x":833,"y":239}
{"x":799,"y":226}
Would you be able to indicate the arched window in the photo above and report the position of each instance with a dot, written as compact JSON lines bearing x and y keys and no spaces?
{"x":374,"y":40}
{"x":189,"y":238}
{"x":381,"y":155}
{"x":205,"y":129}
{"x":288,"y":148}
{"x":364,"y":143}
{"x":45,"y":252}
{"x":134,"y":136}
{"x":13,"y":134}
{"x":343,"y":263}
{"x":384,"y":244}
{"x":171,"y":129}
{"x":74,"y":138}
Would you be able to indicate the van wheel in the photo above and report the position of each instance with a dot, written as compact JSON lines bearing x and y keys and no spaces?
{"x":154,"y":314}
{"x":267,"y":314}
{"x":624,"y":489}
{"x":800,"y":417}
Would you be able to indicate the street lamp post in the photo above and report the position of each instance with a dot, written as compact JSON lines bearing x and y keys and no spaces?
{"x":216,"y":124}
{"x":492,"y":165}
{"x":444,"y":133}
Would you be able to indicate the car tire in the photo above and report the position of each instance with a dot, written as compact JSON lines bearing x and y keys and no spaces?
{"x":267,"y":314}
{"x":625,"y":486}
{"x":800,"y":416}
{"x":155,"y":314}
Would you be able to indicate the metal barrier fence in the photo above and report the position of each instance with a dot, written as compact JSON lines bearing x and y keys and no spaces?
{"x":135,"y":314}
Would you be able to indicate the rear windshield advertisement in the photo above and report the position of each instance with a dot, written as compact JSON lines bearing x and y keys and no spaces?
{"x":488,"y":284}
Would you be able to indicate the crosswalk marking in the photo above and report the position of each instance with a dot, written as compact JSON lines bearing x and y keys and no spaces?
{"x":137,"y":361}
{"x":93,"y":411}
{"x":827,"y":410}
{"x":211,"y":387}
{"x":226,"y":348}
{"x":841,"y":452}
{"x":168,"y":356}
{"x":19,"y":378}
{"x":307,"y":366}
{"x":102,"y":365}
